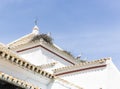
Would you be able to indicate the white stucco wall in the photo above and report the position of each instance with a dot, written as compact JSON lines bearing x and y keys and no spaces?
{"x":39,"y":56}
{"x":104,"y":78}
{"x":95,"y":79}
{"x":60,"y":85}
{"x":113,"y":76}
{"x":56,"y":85}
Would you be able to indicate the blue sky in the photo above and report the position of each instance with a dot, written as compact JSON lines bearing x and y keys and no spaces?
{"x":87,"y":27}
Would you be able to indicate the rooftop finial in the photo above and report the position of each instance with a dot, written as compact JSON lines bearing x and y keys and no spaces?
{"x":36,"y":21}
{"x":35,"y":29}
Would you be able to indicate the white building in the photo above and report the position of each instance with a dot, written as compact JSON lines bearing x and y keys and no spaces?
{"x":34,"y":62}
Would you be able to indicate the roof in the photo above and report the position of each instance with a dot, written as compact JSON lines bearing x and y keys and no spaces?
{"x":11,"y":56}
{"x":16,"y":81}
{"x":23,"y":40}
{"x":81,"y":67}
{"x":27,"y":39}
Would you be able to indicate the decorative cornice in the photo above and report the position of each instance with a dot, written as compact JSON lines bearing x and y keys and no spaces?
{"x":17,"y":82}
{"x":45,"y":66}
{"x":81,"y":67}
{"x":14,"y":58}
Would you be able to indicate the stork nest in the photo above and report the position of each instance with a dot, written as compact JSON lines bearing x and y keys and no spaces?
{"x":45,"y":37}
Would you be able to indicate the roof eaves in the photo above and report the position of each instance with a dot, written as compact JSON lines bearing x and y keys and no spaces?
{"x":82,"y":65}
{"x":14,"y":58}
{"x":20,"y":41}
